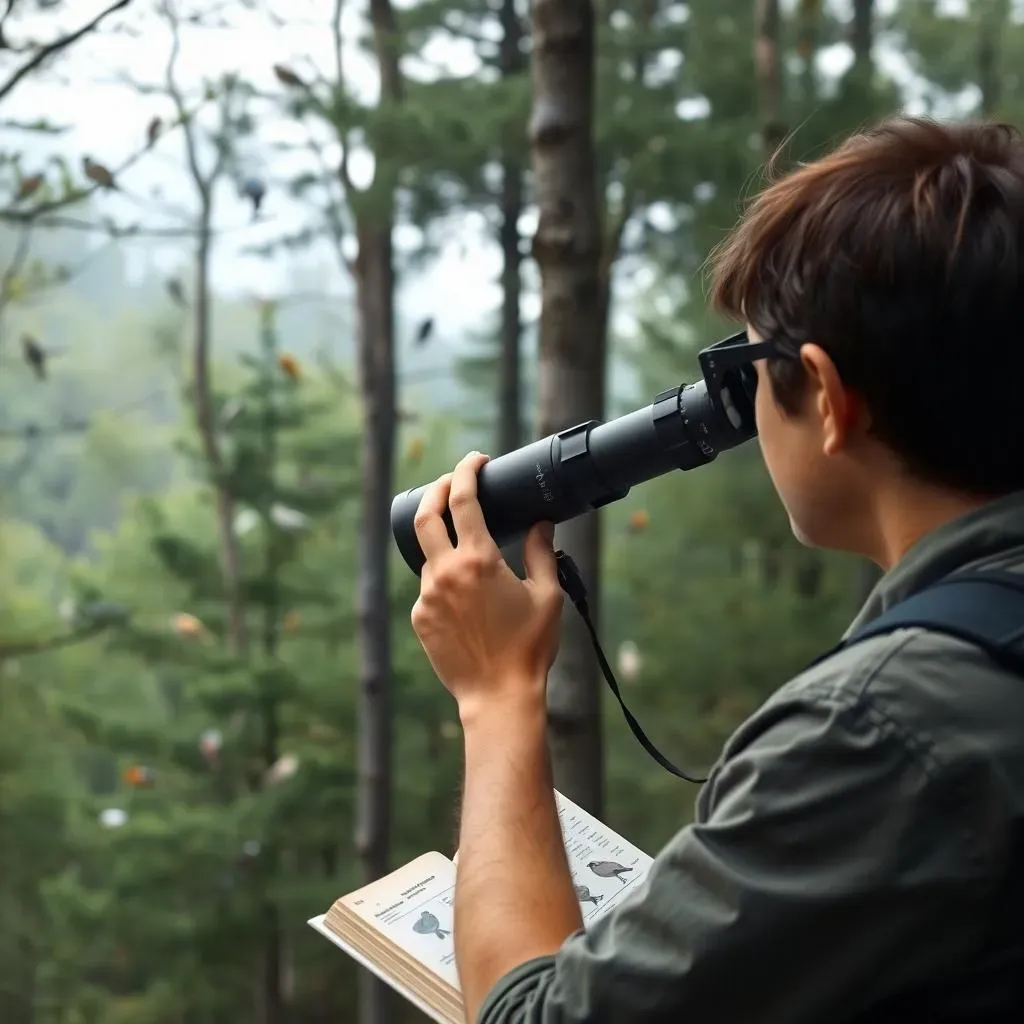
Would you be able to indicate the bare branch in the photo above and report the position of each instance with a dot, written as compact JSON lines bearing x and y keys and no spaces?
{"x":132,"y":230}
{"x":44,"y":53}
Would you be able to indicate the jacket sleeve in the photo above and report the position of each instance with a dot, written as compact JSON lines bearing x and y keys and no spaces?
{"x":833,"y":863}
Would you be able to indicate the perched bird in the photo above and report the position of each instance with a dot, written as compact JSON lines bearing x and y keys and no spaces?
{"x":629,"y":661}
{"x":209,"y":745}
{"x":638,"y":521}
{"x":156,"y":126}
{"x":426,"y":329}
{"x":29,"y":186}
{"x":285,"y":518}
{"x":139,"y":776}
{"x":34,"y":354}
{"x":176,"y":290}
{"x":584,"y":895}
{"x":417,"y":448}
{"x":283,"y":768}
{"x":289,"y":365}
{"x":286,"y":76}
{"x":609,"y":869}
{"x":254,"y":190}
{"x":98,"y":173}
{"x":188,"y":626}
{"x":429,"y":925}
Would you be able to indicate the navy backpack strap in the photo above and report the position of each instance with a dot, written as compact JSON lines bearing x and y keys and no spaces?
{"x":982,"y":608}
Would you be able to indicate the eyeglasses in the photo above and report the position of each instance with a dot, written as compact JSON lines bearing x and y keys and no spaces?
{"x":733,"y":353}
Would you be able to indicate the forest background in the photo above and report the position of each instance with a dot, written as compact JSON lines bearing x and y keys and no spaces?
{"x":262,"y":265}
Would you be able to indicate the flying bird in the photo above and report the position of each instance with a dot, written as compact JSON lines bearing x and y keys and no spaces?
{"x":609,"y":869}
{"x":286,"y":76}
{"x":254,"y":190}
{"x":29,"y":186}
{"x":426,"y":329}
{"x":35,"y":355}
{"x":98,"y":173}
{"x":156,"y":126}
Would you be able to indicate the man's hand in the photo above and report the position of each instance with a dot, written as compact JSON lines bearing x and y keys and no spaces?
{"x":490,"y":636}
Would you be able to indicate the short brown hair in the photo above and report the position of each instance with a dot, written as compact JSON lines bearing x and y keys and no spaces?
{"x":901,"y":254}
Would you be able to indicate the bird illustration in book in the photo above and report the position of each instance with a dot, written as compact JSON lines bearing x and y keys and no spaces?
{"x":429,"y":925}
{"x":609,"y":869}
{"x":584,"y":895}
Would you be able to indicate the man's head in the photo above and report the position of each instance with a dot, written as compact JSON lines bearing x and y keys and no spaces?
{"x":891,"y":274}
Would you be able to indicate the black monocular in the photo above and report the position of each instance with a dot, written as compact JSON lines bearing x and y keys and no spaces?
{"x":593,"y":464}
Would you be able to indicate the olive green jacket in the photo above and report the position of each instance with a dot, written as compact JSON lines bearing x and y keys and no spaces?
{"x":857,"y":854}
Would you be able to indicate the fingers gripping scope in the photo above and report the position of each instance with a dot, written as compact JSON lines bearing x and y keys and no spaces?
{"x":593,"y":464}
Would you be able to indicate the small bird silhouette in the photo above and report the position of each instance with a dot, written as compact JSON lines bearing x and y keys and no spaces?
{"x":584,"y":895}
{"x":98,"y":173}
{"x":156,"y":126}
{"x":608,"y":869}
{"x":177,"y":292}
{"x":286,"y":76}
{"x":35,"y":355}
{"x":426,"y":329}
{"x":429,"y":925}
{"x":29,"y":186}
{"x":255,"y":190}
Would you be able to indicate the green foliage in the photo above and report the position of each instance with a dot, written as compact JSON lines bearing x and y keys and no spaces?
{"x":168,"y":910}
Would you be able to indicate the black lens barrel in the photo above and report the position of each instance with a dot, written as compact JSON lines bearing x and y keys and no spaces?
{"x":585,"y":467}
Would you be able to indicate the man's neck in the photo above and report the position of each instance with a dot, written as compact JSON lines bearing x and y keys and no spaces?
{"x":907,"y":511}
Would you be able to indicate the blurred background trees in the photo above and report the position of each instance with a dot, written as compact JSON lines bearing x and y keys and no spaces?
{"x":265,"y":264}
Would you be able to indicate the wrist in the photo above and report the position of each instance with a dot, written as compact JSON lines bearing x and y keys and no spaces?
{"x":521,"y":707}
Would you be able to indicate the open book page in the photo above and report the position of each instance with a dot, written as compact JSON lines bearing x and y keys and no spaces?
{"x":413,"y":907}
{"x":434,"y":1013}
{"x":604,"y":866}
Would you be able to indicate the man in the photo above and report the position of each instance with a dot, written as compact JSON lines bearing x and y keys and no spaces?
{"x":858,"y":853}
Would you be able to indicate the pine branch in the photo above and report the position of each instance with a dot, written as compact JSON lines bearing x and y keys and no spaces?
{"x":20,"y":649}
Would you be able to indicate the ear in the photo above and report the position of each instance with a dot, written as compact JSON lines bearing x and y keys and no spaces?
{"x":839,"y":410}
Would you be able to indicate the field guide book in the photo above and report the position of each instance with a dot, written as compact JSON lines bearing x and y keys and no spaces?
{"x":400,"y":927}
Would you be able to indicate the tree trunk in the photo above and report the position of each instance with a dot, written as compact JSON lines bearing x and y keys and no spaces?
{"x":510,"y":429}
{"x":273,"y":988}
{"x":567,"y":248}
{"x":375,"y":291}
{"x":862,"y":33}
{"x":375,"y":303}
{"x":769,"y":74}
{"x":992,"y":25}
{"x":230,"y":556}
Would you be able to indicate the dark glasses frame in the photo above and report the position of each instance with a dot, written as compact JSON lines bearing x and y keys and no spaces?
{"x":734,"y":352}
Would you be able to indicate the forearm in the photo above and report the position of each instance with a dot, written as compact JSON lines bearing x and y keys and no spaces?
{"x":514,"y":896}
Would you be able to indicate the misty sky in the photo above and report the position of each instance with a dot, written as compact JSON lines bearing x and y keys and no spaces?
{"x":109,"y":119}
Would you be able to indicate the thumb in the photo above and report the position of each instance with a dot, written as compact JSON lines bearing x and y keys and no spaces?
{"x":539,"y":554}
